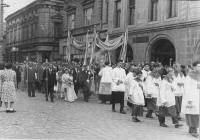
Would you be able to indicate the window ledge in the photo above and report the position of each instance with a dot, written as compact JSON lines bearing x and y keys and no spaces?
{"x":171,"y":19}
{"x":153,"y":22}
{"x":132,"y":26}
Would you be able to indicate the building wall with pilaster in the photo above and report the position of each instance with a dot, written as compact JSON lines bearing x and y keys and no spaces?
{"x":183,"y":30}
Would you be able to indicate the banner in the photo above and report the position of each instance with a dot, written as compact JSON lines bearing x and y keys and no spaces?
{"x":110,"y":45}
{"x":86,"y":49}
{"x":124,"y":48}
{"x":68,"y":49}
{"x":93,"y":46}
{"x":77,"y":44}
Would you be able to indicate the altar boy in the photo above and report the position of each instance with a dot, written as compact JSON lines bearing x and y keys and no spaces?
{"x":136,"y":95}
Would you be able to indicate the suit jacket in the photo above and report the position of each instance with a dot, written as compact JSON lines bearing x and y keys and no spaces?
{"x":31,"y":75}
{"x":40,"y":73}
{"x":96,"y":74}
{"x":75,"y":74}
{"x":84,"y":76}
{"x":17,"y":70}
{"x":51,"y":76}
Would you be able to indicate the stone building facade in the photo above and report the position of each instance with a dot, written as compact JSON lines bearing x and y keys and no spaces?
{"x":163,"y":31}
{"x":82,"y":16}
{"x":33,"y":32}
{"x":1,"y":30}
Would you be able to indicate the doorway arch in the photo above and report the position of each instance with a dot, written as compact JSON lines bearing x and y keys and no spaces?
{"x":129,"y":53}
{"x":197,"y":52}
{"x":161,"y":49}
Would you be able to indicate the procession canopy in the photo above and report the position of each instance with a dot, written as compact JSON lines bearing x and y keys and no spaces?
{"x":110,"y":45}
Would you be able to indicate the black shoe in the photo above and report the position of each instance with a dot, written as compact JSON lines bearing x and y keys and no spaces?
{"x":163,"y":125}
{"x":7,"y":111}
{"x":47,"y":100}
{"x":122,"y":112}
{"x":12,"y":111}
{"x":52,"y":101}
{"x":178,"y":125}
{"x":134,"y":119}
{"x":149,"y":116}
{"x":113,"y":110}
{"x":138,"y":120}
{"x":33,"y":96}
{"x":196,"y":135}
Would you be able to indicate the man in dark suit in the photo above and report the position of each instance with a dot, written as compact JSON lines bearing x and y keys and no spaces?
{"x":30,"y":76}
{"x":75,"y":72}
{"x":50,"y":81}
{"x":40,"y":77}
{"x":84,"y":78}
{"x":16,"y":68}
{"x":97,"y":78}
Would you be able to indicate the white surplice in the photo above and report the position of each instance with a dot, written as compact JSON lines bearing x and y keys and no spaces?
{"x":179,"y":89}
{"x":191,"y":94}
{"x":118,"y":74}
{"x":136,"y":93}
{"x":128,"y":80}
{"x":150,"y":87}
{"x":166,"y":94}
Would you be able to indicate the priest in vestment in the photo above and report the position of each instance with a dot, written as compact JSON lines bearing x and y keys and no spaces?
{"x":190,"y":102}
{"x":118,"y":87}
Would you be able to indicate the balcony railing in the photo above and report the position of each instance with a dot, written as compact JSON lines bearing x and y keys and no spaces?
{"x":83,"y":29}
{"x":32,"y":40}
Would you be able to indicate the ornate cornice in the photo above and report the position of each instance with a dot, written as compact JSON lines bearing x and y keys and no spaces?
{"x":84,"y":2}
{"x":57,"y":16}
{"x":160,"y":28}
{"x":70,"y":7}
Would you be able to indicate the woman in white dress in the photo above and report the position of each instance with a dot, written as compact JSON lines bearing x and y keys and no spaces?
{"x":65,"y":76}
{"x":71,"y":95}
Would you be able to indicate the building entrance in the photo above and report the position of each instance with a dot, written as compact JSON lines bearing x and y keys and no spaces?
{"x":45,"y":55}
{"x":163,"y":51}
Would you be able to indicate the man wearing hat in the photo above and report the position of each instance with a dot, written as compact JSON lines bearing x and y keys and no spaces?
{"x":31,"y":76}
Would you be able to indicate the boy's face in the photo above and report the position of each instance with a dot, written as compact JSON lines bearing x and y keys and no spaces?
{"x":139,"y":76}
{"x":134,"y":75}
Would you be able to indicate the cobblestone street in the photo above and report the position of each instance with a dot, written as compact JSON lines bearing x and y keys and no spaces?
{"x":36,"y":118}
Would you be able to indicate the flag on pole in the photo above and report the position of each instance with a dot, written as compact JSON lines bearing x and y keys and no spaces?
{"x":93,"y":45}
{"x":86,"y":49}
{"x":68,"y":50}
{"x":124,"y":47}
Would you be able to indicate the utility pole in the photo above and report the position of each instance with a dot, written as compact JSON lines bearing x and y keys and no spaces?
{"x":2,"y":5}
